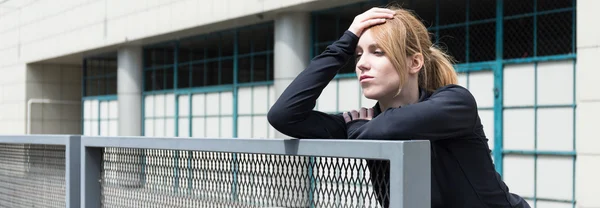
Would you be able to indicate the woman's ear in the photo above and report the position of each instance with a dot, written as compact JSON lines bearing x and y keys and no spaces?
{"x":415,"y":63}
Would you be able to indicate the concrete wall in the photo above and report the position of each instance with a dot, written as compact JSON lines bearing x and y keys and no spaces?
{"x":54,"y":97}
{"x":588,"y":105}
{"x":34,"y":31}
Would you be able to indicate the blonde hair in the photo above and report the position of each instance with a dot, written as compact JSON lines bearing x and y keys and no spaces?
{"x":404,"y":35}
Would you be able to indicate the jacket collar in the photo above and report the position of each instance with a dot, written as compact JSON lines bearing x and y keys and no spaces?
{"x":423,"y":95}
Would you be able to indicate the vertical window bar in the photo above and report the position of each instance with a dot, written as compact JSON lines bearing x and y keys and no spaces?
{"x":235,"y":111}
{"x":574,"y":95}
{"x":498,"y":79}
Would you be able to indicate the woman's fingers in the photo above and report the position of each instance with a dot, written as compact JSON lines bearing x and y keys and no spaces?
{"x":354,"y":114}
{"x":375,"y":15}
{"x":362,"y":113}
{"x":369,"y":18}
{"x":346,"y":117}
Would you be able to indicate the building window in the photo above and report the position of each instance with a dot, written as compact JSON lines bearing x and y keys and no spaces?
{"x":211,"y":59}
{"x":100,"y":75}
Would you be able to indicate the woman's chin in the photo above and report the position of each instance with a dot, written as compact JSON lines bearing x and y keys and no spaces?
{"x":371,"y":95}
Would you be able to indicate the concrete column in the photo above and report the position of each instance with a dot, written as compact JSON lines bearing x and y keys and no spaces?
{"x":129,"y":90}
{"x":292,"y":49}
{"x":588,"y":103}
{"x":292,"y":55}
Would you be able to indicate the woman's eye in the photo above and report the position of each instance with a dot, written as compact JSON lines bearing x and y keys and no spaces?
{"x":379,"y":53}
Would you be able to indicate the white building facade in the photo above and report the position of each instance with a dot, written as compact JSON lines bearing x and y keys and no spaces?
{"x":208,"y":68}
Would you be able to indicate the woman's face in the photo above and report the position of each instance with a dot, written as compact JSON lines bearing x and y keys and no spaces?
{"x":377,"y":76}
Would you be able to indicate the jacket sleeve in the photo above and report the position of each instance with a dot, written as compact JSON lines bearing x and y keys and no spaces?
{"x":450,"y":112}
{"x":293,"y":114}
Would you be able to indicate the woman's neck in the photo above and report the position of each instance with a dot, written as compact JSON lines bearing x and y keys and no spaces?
{"x":408,"y":95}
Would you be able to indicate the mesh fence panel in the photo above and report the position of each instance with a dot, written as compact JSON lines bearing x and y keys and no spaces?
{"x":32,"y":175}
{"x":168,"y":178}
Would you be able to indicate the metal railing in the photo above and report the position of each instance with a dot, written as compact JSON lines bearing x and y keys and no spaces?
{"x":202,"y":172}
{"x":39,"y":171}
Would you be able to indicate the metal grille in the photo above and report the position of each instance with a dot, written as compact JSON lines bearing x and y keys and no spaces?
{"x":32,"y":175}
{"x":167,"y":178}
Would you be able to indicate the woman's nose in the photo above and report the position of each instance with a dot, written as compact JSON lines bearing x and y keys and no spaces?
{"x":362,"y":64}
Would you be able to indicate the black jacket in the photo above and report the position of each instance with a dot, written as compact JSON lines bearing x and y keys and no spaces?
{"x":463,"y":174}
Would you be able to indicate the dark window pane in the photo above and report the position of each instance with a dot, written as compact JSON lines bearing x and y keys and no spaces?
{"x":482,"y":42}
{"x":211,"y":44}
{"x":90,"y":88}
{"x":183,"y":76}
{"x":226,"y":43}
{"x":227,"y":71}
{"x":147,"y":57}
{"x":198,"y":75}
{"x":198,"y":54}
{"x":101,"y":84}
{"x":184,"y":55}
{"x":482,"y":9}
{"x":263,"y":39}
{"x":148,"y":80}
{"x":425,"y":10}
{"x":255,"y":39}
{"x":191,"y":49}
{"x":169,"y":78}
{"x":544,"y":5}
{"x":452,"y":11}
{"x":244,"y":70}
{"x":212,"y":73}
{"x":158,"y":81}
{"x":555,"y":34}
{"x":518,"y":38}
{"x":452,"y":41}
{"x":112,"y":68}
{"x":270,"y":67}
{"x":244,"y":40}
{"x":326,"y":25}
{"x":100,"y":75}
{"x":260,"y":68}
{"x":514,"y":7}
{"x":111,"y":83}
{"x":169,"y":55}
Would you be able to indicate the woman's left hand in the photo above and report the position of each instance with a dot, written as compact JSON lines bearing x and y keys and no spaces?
{"x":362,"y":114}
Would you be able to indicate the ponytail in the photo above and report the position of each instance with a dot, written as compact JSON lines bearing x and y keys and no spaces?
{"x":438,"y":70}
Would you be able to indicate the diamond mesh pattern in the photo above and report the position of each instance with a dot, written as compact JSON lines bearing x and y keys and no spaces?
{"x":555,"y":34}
{"x":167,"y":178}
{"x":32,"y":176}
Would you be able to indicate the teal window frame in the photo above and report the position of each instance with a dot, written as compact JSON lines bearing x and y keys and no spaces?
{"x":252,"y":54}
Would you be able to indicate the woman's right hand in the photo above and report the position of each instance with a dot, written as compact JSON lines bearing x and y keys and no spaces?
{"x":373,"y":16}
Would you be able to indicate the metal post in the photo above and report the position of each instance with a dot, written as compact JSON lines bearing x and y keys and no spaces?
{"x":410,"y":175}
{"x":72,"y":165}
{"x":91,"y":167}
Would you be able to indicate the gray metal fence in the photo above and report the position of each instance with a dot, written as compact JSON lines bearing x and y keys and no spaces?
{"x":74,"y":171}
{"x":39,"y":171}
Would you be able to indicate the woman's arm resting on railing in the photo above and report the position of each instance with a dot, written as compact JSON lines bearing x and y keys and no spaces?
{"x":293,"y":114}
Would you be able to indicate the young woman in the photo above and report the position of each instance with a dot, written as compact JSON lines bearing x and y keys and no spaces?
{"x":414,"y":84}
